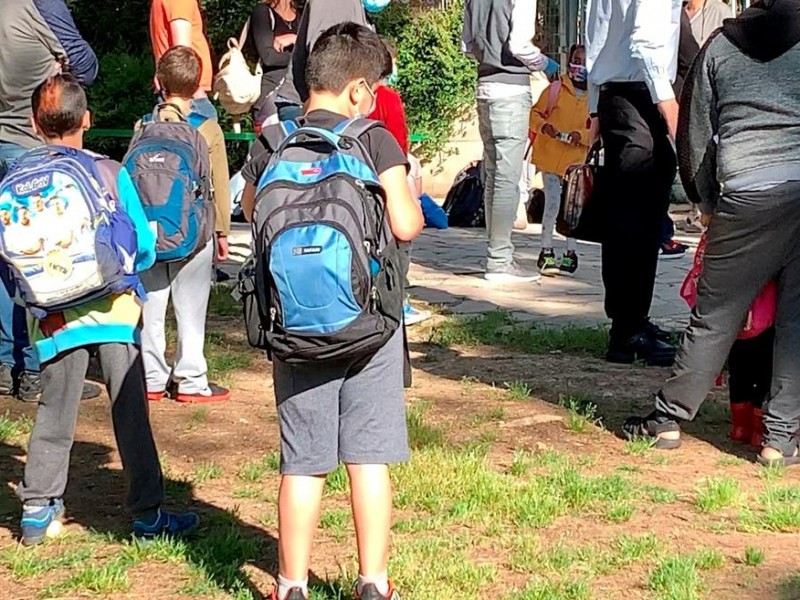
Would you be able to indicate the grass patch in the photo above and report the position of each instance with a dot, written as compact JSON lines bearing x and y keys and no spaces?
{"x":337,"y":482}
{"x":639,"y":446}
{"x":206,"y":471}
{"x":518,"y":391}
{"x":753,"y":557}
{"x":581,"y":414}
{"x":256,"y":471}
{"x":222,"y":304}
{"x":550,"y":590}
{"x":225,"y":356}
{"x":717,"y":494}
{"x":102,"y":579}
{"x":493,"y":415}
{"x":777,"y":509}
{"x":11,"y":429}
{"x":499,"y":328}
{"x":678,"y":577}
{"x":335,"y":521}
{"x":420,"y":434}
{"x":24,"y":563}
{"x":197,"y":419}
{"x":660,"y":495}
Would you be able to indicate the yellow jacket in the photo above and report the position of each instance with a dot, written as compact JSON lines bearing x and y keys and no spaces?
{"x":570,"y":113}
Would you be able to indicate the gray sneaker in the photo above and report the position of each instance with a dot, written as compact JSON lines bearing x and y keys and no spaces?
{"x":6,"y":381}
{"x":30,"y":387}
{"x":512,"y":273}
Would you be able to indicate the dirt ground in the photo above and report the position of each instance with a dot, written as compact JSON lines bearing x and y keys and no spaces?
{"x":456,"y":386}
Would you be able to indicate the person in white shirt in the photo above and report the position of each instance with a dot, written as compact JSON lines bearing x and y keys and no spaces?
{"x":706,"y":16}
{"x":499,"y":34}
{"x":632,"y":55}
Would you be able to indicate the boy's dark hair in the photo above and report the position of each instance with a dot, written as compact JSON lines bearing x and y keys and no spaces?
{"x":178,"y":72}
{"x":59,"y":105}
{"x":345,"y":53}
{"x":391,"y":56}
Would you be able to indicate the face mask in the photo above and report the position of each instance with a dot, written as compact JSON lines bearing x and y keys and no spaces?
{"x":578,"y":73}
{"x":374,"y":6}
{"x":391,"y":80}
{"x":371,"y":106}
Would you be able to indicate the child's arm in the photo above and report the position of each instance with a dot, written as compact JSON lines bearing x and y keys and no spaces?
{"x":537,"y":120}
{"x":249,"y":201}
{"x":219,"y":176}
{"x":405,"y":213}
{"x":146,"y":239}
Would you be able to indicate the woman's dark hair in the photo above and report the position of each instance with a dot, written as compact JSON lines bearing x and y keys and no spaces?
{"x":59,"y":105}
{"x":297,"y":5}
{"x":343,"y":54}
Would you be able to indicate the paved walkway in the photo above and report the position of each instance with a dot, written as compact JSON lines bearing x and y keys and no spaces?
{"x":448,"y":269}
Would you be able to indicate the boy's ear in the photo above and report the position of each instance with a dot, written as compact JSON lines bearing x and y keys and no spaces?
{"x":36,"y":129}
{"x":87,"y":121}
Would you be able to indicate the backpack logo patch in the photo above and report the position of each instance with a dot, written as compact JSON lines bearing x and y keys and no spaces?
{"x":305,"y":250}
{"x":158,"y":158}
{"x":28,"y":188}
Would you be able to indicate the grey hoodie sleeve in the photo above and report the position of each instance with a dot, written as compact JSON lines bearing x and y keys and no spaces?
{"x":697,"y":134}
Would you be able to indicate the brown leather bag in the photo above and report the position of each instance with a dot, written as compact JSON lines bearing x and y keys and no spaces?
{"x":581,"y":214}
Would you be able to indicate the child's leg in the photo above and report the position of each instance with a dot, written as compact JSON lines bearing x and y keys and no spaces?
{"x":123,"y":373}
{"x":191,"y":288}
{"x":47,"y":466}
{"x":372,"y":435}
{"x":762,"y":356}
{"x":308,"y":404}
{"x":156,"y":282}
{"x":552,"y":204}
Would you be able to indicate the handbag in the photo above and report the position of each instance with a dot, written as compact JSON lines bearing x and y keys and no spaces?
{"x":236,"y":87}
{"x":581,"y":214}
{"x":761,"y":315}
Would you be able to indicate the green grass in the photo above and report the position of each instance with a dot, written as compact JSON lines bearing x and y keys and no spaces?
{"x":12,"y":429}
{"x":639,"y":446}
{"x":518,"y":391}
{"x":256,"y":471}
{"x":679,"y":577}
{"x":777,"y":509}
{"x":225,"y":355}
{"x":337,"y":482}
{"x":222,"y":304}
{"x":581,"y":414}
{"x":753,"y":557}
{"x":100,"y":579}
{"x":660,"y":495}
{"x":549,"y":590}
{"x":499,"y":328}
{"x":420,"y":433}
{"x":493,"y":415}
{"x":206,"y":471}
{"x":336,"y":521}
{"x":24,"y":563}
{"x":717,"y":494}
{"x":197,"y":418}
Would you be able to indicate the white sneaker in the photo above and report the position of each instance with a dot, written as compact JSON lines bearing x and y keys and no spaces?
{"x":413,"y":316}
{"x":513,"y":273}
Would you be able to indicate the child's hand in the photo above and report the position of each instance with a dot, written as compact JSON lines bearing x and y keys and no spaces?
{"x":575,"y":138}
{"x":222,"y":248}
{"x":549,"y":130}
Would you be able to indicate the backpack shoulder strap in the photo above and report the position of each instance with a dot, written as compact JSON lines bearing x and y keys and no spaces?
{"x":552,"y":98}
{"x":355,"y":129}
{"x":108,"y":176}
{"x":274,"y":135}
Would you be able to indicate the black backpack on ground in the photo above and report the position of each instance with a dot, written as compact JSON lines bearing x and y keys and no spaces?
{"x":464,"y":202}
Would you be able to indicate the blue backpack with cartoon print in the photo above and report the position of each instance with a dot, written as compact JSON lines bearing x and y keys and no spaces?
{"x":63,"y":234}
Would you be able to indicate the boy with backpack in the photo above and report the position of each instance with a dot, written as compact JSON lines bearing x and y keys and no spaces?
{"x":559,"y":127}
{"x":179,"y":166}
{"x":83,"y":240}
{"x":332,"y":203}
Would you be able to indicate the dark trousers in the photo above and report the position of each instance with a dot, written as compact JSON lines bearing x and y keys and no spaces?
{"x":750,"y":369}
{"x":47,"y":467}
{"x":753,"y":238}
{"x":639,"y":169}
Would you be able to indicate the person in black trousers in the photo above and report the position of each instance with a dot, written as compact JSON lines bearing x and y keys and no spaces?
{"x":635,"y":112}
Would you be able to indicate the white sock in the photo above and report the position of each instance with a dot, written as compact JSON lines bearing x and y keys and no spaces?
{"x":287,"y":585}
{"x":381,"y":582}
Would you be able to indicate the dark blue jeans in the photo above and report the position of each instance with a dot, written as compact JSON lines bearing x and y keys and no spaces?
{"x":15,"y":348}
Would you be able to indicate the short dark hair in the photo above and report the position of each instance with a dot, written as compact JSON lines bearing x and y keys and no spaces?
{"x":345,"y":53}
{"x":178,"y":72}
{"x":59,"y":105}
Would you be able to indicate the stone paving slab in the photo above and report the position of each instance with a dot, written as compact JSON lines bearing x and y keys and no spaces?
{"x":447,"y":270}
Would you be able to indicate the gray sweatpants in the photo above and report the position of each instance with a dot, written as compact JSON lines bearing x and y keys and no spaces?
{"x":51,"y":441}
{"x":754,"y":237}
{"x":189,"y":285}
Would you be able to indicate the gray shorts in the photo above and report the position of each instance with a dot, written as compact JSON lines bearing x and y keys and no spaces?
{"x":342,"y":412}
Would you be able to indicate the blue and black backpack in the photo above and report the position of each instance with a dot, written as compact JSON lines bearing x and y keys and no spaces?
{"x":328,"y":285}
{"x":63,"y":235}
{"x":170,"y":168}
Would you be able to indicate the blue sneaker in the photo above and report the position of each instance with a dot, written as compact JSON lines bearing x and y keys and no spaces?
{"x":412,"y":316}
{"x":165,"y":523}
{"x":40,"y":522}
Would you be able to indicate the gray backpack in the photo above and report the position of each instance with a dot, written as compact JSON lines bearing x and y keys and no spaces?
{"x":169,"y":164}
{"x":327,"y":279}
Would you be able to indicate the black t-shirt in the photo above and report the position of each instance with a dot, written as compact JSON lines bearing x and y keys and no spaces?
{"x":273,"y":63}
{"x":379,"y":143}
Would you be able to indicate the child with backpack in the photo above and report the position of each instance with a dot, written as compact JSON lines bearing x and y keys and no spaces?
{"x":331,"y":202}
{"x":75,"y":253}
{"x":560,"y":124}
{"x":179,"y":166}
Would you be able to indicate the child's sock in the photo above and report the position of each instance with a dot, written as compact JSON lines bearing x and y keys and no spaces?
{"x":381,"y":582}
{"x":287,"y":585}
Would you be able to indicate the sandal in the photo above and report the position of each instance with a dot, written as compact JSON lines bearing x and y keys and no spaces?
{"x":652,"y":427}
{"x":790,"y":455}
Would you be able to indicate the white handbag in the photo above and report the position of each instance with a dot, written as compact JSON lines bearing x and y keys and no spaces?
{"x":236,"y":87}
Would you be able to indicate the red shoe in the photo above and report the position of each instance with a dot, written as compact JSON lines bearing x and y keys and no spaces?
{"x":742,"y":422}
{"x":155,"y":396}
{"x":757,"y":437}
{"x":215,"y":394}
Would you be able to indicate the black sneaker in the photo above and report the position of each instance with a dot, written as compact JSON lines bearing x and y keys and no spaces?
{"x":30,"y":387}
{"x":657,"y":332}
{"x":6,"y":381}
{"x":547,"y":263}
{"x":568,"y":265}
{"x":673,"y":250}
{"x":370,"y":592}
{"x":642,"y":346}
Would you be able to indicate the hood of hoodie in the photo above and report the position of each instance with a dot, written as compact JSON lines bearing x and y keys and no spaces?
{"x":766,"y":30}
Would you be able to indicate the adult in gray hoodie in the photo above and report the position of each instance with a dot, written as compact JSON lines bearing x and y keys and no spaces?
{"x":739,"y":151}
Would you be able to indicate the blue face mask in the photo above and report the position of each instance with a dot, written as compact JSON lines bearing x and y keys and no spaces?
{"x":391,"y":80}
{"x":374,"y":6}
